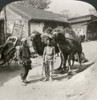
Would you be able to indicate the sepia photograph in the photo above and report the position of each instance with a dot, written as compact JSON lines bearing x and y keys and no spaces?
{"x":48,"y":50}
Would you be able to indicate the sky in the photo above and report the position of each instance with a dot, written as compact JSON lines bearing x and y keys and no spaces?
{"x":75,"y":7}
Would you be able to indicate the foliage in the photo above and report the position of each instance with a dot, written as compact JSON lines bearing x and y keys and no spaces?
{"x":40,"y":4}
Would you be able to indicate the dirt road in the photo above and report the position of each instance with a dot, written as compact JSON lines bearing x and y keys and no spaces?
{"x":80,"y":86}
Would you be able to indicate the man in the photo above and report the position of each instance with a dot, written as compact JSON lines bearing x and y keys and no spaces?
{"x":48,"y":60}
{"x":24,"y":60}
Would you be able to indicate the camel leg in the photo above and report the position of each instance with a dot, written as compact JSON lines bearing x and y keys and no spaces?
{"x":64,"y":59}
{"x":64,"y":62}
{"x":71,"y":62}
{"x":80,"y":61}
{"x":72,"y":59}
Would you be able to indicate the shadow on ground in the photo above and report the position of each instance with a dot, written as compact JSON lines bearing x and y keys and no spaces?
{"x":84,"y":67}
{"x":7,"y":73}
{"x":76,"y":69}
{"x":59,"y":77}
{"x":35,"y":80}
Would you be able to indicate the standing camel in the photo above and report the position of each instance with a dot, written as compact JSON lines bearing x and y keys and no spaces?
{"x":61,"y":45}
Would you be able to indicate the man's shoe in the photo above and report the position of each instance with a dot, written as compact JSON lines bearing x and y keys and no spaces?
{"x":24,"y":84}
{"x":25,"y":81}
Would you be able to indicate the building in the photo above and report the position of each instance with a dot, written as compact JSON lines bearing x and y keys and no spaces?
{"x":93,"y":11}
{"x":85,"y":25}
{"x":23,"y":20}
{"x":2,"y":35}
{"x":2,"y":28}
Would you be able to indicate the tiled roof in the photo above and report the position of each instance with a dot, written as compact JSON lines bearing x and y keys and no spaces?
{"x":82,"y":18}
{"x":36,"y":14}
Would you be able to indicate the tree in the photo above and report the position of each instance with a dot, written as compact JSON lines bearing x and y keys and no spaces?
{"x":40,"y":4}
{"x":66,"y":13}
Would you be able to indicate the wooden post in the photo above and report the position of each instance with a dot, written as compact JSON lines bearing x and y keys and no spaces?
{"x":5,"y":23}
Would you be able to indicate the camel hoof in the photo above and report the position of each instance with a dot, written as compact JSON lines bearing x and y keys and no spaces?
{"x":62,"y":72}
{"x":56,"y":72}
{"x":67,"y":68}
{"x":58,"y":69}
{"x":70,"y":72}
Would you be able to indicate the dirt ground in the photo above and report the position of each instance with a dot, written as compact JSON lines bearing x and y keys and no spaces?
{"x":82,"y":85}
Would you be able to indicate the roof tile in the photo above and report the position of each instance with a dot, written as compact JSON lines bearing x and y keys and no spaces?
{"x":36,"y":14}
